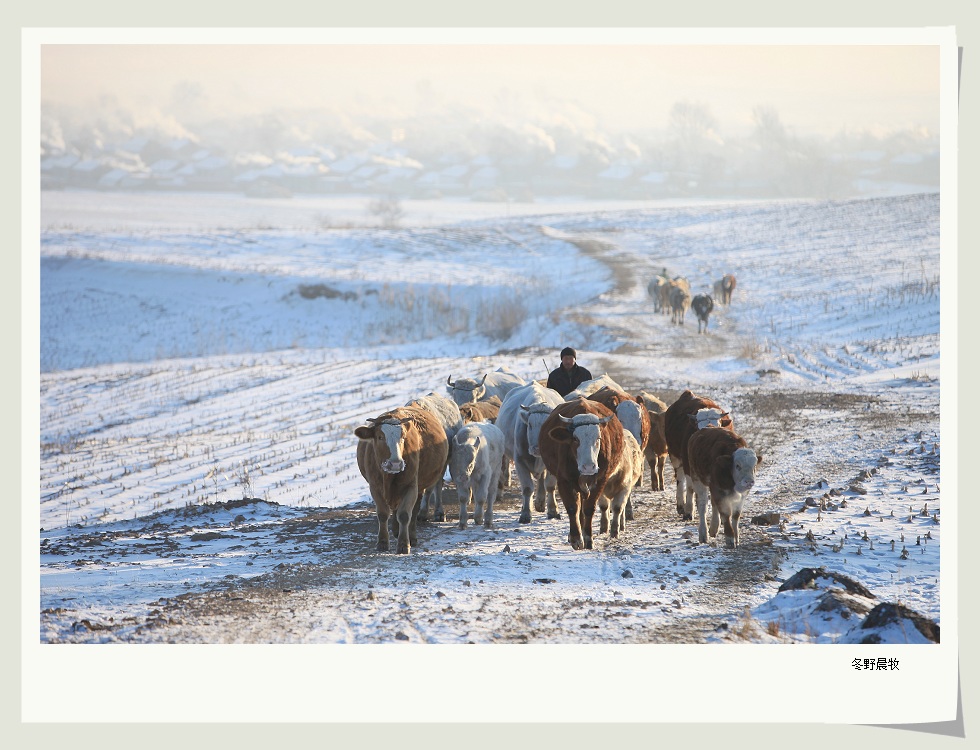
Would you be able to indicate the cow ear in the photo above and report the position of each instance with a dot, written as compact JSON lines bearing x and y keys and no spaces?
{"x":560,"y":434}
{"x":364,"y":433}
{"x":758,"y":459}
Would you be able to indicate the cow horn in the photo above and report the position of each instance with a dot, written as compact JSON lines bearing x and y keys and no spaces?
{"x":449,"y":381}
{"x":484,"y":378}
{"x":605,"y":419}
{"x":565,"y":419}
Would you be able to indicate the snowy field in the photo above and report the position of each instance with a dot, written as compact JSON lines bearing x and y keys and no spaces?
{"x":196,"y":351}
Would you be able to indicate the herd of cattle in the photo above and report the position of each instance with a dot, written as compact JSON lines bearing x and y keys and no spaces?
{"x":674,"y":296}
{"x":589,"y":447}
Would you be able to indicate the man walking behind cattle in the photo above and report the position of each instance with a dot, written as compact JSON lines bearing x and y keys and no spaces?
{"x":569,"y":375}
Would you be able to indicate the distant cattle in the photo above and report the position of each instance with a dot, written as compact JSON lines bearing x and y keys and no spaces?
{"x":654,"y":290}
{"x":666,"y":290}
{"x":582,"y":446}
{"x":474,"y":464}
{"x":723,"y":288}
{"x":680,"y":422}
{"x":722,"y":465}
{"x":521,"y":416}
{"x":589,"y":387}
{"x":655,"y":451}
{"x":702,"y":305}
{"x":452,"y":422}
{"x":680,"y":301}
{"x":497,"y":383}
{"x":401,"y":453}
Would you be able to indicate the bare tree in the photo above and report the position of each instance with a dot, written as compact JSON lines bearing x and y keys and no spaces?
{"x":388,"y":210}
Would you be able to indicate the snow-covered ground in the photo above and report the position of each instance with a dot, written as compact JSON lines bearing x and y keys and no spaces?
{"x":200,"y":350}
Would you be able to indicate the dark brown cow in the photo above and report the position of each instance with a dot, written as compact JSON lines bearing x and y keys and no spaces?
{"x":480,"y":411}
{"x":655,"y":450}
{"x":581,"y":444}
{"x":723,"y":465}
{"x":401,"y":454}
{"x":681,"y":420}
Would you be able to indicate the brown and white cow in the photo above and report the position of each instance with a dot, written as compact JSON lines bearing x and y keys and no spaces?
{"x":619,"y":488}
{"x":581,"y":444}
{"x":635,"y":418}
{"x":681,"y":420}
{"x":722,"y":465}
{"x":655,"y":451}
{"x":401,"y":454}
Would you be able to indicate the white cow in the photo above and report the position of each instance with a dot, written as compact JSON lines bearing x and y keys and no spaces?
{"x":521,"y":415}
{"x":589,"y":387}
{"x":475,"y":462}
{"x":498,"y":383}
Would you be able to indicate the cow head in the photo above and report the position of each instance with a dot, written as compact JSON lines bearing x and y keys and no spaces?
{"x":741,"y":467}
{"x":466,"y":390}
{"x":712,"y":418}
{"x":462,"y":461}
{"x":388,"y":436}
{"x":583,"y":433}
{"x":533,"y":418}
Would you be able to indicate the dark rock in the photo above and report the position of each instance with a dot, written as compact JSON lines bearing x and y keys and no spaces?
{"x":807,"y":577}
{"x":888,"y":613}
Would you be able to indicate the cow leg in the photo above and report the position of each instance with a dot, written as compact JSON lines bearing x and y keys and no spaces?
{"x":413,"y":538}
{"x":527,"y":489}
{"x":661,"y":461}
{"x":463,"y":492}
{"x":424,"y":506}
{"x":382,"y":509}
{"x":493,"y":491}
{"x":603,"y":515}
{"x":480,"y":495}
{"x":628,"y":510}
{"x":570,"y":498}
{"x":504,"y":472}
{"x":618,"y":523}
{"x":549,"y":492}
{"x":540,"y":500}
{"x":438,"y":514}
{"x":588,"y":511}
{"x":702,"y":495}
{"x":406,"y":516}
{"x":731,"y":528}
{"x":681,"y":488}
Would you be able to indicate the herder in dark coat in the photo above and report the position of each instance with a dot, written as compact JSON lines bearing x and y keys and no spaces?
{"x":569,"y":375}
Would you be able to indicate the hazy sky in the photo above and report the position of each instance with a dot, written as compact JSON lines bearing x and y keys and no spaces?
{"x":814,"y":89}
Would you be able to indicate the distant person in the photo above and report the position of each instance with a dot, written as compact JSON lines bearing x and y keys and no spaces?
{"x":569,"y":375}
